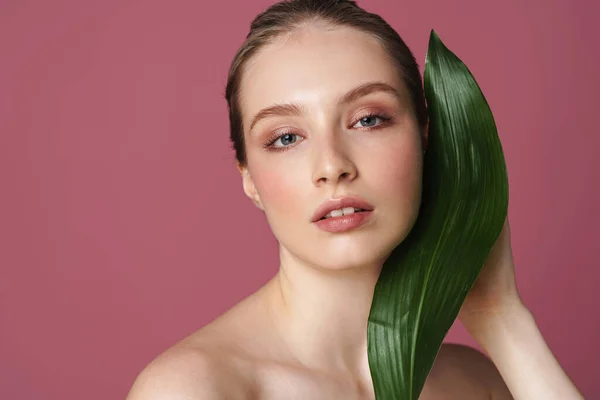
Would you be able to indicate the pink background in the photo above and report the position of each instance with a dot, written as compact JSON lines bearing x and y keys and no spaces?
{"x":123,"y":223}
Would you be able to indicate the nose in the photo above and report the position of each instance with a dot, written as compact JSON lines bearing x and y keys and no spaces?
{"x":333,"y":163}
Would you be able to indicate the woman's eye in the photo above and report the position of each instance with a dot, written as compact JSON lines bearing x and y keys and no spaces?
{"x":368,"y":121}
{"x":285,"y":140}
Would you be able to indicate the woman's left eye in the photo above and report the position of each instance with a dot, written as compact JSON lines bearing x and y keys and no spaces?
{"x":369,"y":121}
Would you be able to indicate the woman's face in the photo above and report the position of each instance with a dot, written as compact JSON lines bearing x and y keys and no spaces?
{"x":324,"y":144}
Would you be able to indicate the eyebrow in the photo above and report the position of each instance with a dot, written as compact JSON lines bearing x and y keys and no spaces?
{"x":290,"y":109}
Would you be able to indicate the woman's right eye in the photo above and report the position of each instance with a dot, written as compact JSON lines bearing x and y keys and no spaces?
{"x":284,"y":140}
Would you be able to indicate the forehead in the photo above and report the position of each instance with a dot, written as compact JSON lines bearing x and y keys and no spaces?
{"x":313,"y":67}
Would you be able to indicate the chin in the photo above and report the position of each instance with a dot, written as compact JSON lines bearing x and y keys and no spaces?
{"x":352,"y":254}
{"x":367,"y":248}
{"x":341,"y":264}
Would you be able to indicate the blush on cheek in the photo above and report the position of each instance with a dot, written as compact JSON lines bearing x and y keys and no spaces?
{"x":277,"y":189}
{"x":403,"y":163}
{"x":401,"y":176}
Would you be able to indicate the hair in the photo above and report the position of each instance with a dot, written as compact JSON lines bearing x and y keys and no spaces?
{"x":286,"y":17}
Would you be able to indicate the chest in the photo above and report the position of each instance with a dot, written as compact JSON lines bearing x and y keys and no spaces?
{"x":276,"y":384}
{"x":307,"y":385}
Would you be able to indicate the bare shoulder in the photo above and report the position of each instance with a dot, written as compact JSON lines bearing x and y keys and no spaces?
{"x":462,"y":372}
{"x":208,"y":364}
{"x":188,"y":372}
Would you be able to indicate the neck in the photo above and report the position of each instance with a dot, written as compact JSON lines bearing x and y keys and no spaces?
{"x":322,"y":314}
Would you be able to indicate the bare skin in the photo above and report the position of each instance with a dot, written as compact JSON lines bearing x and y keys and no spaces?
{"x":241,"y":356}
{"x":303,"y":334}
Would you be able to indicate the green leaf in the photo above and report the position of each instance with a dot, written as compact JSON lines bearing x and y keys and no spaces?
{"x":464,"y":206}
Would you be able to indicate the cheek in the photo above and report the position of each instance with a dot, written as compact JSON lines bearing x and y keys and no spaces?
{"x":279,"y":191}
{"x":406,"y":171}
{"x":398,"y":174}
{"x":400,"y":164}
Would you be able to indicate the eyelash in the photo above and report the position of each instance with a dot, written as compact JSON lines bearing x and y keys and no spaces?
{"x":384,"y":117}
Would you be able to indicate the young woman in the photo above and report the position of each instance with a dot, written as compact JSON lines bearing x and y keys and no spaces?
{"x":329,"y":126}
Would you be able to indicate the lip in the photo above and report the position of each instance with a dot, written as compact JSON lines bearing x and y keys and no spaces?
{"x":345,"y":222}
{"x":334,"y":204}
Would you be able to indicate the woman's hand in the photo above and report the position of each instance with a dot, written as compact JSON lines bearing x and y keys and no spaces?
{"x":495,"y":316}
{"x":494,"y":294}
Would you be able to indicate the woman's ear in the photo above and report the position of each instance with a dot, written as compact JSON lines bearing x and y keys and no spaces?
{"x":248,"y":185}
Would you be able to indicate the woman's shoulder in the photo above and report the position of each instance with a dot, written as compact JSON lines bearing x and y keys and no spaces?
{"x":205,"y":365}
{"x":463,"y":372}
{"x":184,"y":372}
{"x":204,"y":368}
{"x":229,"y":358}
{"x":214,"y":362}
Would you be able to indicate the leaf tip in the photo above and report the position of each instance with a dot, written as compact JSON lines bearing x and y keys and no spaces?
{"x":434,"y":40}
{"x":433,"y":35}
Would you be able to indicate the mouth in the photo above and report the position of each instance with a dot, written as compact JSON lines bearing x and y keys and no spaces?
{"x":339,"y":208}
{"x":344,"y":222}
{"x":342,"y":212}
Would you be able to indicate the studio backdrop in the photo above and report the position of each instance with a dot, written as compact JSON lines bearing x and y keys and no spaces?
{"x":123,"y":224}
